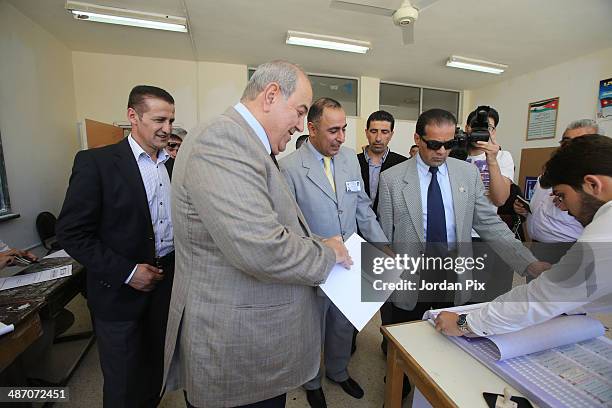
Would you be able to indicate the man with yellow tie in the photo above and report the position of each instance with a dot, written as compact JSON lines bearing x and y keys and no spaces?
{"x":325,"y":179}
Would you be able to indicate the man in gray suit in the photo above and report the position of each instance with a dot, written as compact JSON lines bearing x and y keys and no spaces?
{"x":435,"y":201}
{"x":325,"y":179}
{"x":243,"y":316}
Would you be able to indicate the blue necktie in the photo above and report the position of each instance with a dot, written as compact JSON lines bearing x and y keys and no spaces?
{"x":436,"y":221}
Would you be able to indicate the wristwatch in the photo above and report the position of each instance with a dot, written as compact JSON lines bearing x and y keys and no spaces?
{"x":463,"y":324}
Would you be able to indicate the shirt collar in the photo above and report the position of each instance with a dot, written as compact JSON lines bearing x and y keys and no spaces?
{"x":138,"y":151}
{"x":254,"y":124}
{"x":424,"y":168}
{"x":367,"y":157}
{"x":314,"y":151}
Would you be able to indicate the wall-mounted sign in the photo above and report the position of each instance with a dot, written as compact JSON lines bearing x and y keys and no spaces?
{"x":542,"y":119}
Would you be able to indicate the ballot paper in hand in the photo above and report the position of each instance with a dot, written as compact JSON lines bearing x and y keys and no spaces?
{"x":343,"y":287}
{"x":36,"y":277}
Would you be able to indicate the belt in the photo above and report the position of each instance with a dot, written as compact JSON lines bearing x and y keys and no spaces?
{"x":164,"y":260}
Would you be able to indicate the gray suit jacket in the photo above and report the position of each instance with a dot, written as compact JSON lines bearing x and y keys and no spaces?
{"x":401,"y":217}
{"x":326,"y":212}
{"x":243,"y":324}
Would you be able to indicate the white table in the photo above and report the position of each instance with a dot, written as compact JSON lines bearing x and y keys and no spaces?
{"x":445,"y":374}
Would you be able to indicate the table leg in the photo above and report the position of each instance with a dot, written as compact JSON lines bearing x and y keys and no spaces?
{"x":395,"y":377}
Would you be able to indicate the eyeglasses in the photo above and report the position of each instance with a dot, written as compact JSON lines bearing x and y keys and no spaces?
{"x":435,"y":145}
{"x":174,"y":145}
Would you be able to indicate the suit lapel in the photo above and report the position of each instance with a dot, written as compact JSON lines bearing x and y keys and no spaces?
{"x":315,"y":172}
{"x":128,"y":168}
{"x":459,"y":194}
{"x":412,"y":195}
{"x":341,"y":176}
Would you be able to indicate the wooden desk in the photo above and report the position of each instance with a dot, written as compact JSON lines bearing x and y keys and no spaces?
{"x":445,"y":375}
{"x":24,"y":307}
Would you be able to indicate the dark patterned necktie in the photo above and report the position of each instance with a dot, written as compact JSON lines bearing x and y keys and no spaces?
{"x":274,"y":160}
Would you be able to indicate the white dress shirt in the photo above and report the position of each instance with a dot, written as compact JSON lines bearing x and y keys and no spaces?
{"x":547,"y":223}
{"x":581,"y":282}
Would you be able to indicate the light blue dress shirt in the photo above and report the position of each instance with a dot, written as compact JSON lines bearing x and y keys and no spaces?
{"x":254,"y":124}
{"x":157,"y":187}
{"x":319,"y":157}
{"x":447,"y":198}
{"x":374,"y":172}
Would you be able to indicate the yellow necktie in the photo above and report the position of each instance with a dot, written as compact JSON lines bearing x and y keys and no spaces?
{"x":328,"y":172}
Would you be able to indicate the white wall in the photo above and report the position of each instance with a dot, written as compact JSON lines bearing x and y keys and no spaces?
{"x":102,"y":83}
{"x":220,"y":86}
{"x":575,"y":82}
{"x":37,"y":122}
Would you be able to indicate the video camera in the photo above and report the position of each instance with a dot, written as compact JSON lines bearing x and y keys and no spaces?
{"x":479,"y":132}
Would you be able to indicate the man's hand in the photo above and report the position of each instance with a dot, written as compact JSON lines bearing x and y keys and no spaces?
{"x":146,"y":277}
{"x":342,"y":255}
{"x":6,"y":260}
{"x":537,"y":267}
{"x":490,"y":148}
{"x":519,"y":208}
{"x":446,"y":323}
{"x":22,"y":253}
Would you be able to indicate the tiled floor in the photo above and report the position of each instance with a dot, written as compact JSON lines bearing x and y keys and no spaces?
{"x":367,"y":367}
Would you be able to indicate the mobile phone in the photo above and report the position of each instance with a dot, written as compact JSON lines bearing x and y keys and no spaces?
{"x":490,"y":398}
{"x":524,"y":202}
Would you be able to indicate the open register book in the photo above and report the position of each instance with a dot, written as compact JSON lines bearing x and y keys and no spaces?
{"x":564,"y":362}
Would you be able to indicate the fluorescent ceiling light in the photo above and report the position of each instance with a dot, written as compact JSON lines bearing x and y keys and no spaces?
{"x":327,"y":42}
{"x":475,"y":65}
{"x":113,"y":15}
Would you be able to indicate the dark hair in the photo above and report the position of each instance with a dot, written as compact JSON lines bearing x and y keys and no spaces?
{"x":491,"y":113}
{"x":581,"y":156}
{"x":316,"y":110}
{"x":382,"y":116}
{"x":300,"y":141}
{"x":413,"y":146}
{"x":434,"y":116}
{"x":139,"y":93}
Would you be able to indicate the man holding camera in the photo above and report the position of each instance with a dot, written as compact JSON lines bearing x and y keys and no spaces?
{"x":496,"y":166}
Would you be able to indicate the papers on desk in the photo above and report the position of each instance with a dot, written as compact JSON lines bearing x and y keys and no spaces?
{"x":343,"y":287}
{"x":6,"y":329}
{"x":565,"y":361}
{"x":557,"y":332}
{"x":36,"y":277}
{"x":58,"y":254}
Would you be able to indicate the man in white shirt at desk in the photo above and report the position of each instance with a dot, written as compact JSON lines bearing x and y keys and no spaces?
{"x":580,"y":173}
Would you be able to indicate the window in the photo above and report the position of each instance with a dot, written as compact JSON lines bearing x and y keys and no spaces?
{"x":447,"y":100}
{"x":5,"y":202}
{"x":344,"y":90}
{"x":408,"y":102}
{"x":403,"y":102}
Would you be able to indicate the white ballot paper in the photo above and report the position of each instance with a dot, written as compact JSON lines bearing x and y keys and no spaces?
{"x":6,"y":328}
{"x":36,"y":277}
{"x":58,"y":254}
{"x":343,"y":287}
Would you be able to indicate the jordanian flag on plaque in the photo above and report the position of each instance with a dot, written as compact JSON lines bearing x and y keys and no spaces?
{"x":542,"y":122}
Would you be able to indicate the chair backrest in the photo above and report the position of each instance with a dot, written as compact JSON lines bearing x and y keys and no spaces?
{"x":45,"y":225}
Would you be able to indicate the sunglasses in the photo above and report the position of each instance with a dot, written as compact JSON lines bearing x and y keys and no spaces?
{"x":173,"y":145}
{"x":435,"y":145}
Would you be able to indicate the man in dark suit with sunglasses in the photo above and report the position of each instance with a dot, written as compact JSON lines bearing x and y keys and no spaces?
{"x":430,"y":205}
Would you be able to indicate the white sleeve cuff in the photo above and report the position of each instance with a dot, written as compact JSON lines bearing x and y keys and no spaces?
{"x":129,"y":278}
